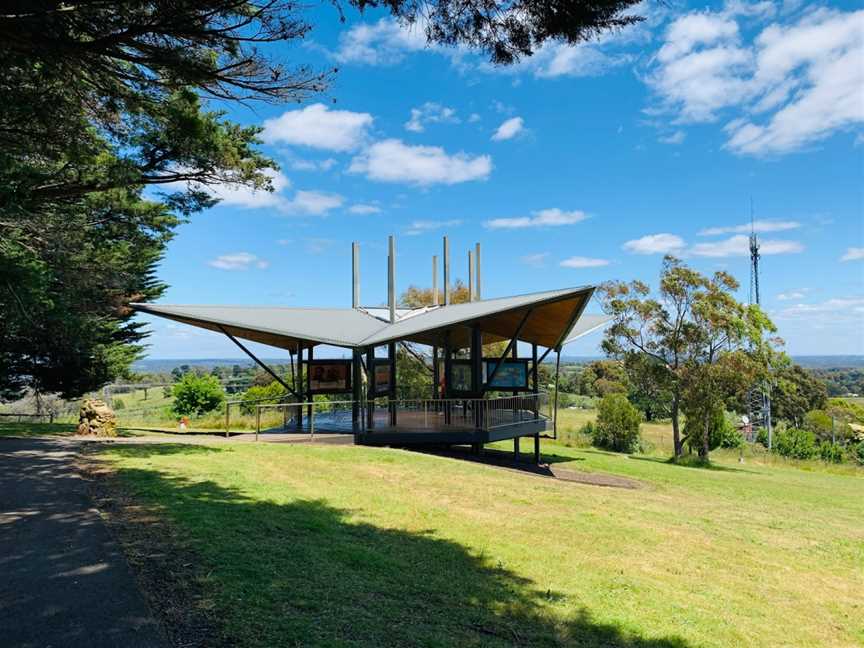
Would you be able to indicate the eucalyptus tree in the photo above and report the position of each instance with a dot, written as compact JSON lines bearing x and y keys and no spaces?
{"x":696,"y":340}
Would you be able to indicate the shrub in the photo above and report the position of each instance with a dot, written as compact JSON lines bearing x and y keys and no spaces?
{"x":271,"y":393}
{"x":857,"y":453}
{"x":617,"y":425}
{"x":831,"y":452}
{"x":819,"y":423}
{"x":117,"y":404}
{"x":796,"y":444}
{"x":762,"y":437}
{"x":196,"y":395}
{"x":726,"y":433}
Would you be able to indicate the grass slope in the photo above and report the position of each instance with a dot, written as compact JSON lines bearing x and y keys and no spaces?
{"x":344,"y":545}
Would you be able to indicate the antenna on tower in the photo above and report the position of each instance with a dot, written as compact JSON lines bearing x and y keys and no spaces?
{"x":754,"y":259}
{"x":759,"y":396}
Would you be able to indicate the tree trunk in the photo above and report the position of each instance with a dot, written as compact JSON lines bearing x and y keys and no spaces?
{"x":706,"y":440}
{"x":676,"y":433}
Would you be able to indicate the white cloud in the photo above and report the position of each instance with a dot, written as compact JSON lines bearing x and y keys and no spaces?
{"x":655,"y":244}
{"x":760,"y":226}
{"x":364,"y":209}
{"x":317,"y":126}
{"x":300,"y":164}
{"x":835,"y":309}
{"x":304,"y":202}
{"x":739,"y":245}
{"x":246,"y":197}
{"x":583,"y":262}
{"x":853,"y":254}
{"x":430,"y":113}
{"x":791,"y":85}
{"x":392,"y":160}
{"x":553,"y":217}
{"x":793,"y":294}
{"x":675,"y":138}
{"x":422,"y":226}
{"x":238,"y":261}
{"x":509,"y":129}
{"x":314,"y":203}
{"x":535,"y":260}
{"x":385,"y":42}
{"x":473,"y":118}
{"x":555,"y":59}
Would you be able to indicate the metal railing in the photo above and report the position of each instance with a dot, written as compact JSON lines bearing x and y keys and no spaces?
{"x":513,"y":410}
{"x":420,"y":414}
{"x":339,"y":415}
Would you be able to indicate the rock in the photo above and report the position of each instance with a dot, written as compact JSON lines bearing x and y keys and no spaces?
{"x":96,"y":418}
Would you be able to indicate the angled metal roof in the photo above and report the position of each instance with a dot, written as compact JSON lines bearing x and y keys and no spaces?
{"x":553,"y":315}
{"x":276,"y":326}
{"x":445,"y":317}
{"x":587,"y":324}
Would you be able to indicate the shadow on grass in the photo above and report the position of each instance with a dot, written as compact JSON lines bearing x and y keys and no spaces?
{"x":303,"y":572}
{"x":693,"y":463}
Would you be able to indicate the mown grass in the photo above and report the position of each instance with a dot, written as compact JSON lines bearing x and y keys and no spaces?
{"x":343,"y":545}
{"x":11,"y":428}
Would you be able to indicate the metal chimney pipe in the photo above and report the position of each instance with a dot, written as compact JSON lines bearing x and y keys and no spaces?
{"x":477,"y":273}
{"x":434,"y":280}
{"x":446,"y":271}
{"x":470,"y":276}
{"x":355,"y":275}
{"x":391,"y":278}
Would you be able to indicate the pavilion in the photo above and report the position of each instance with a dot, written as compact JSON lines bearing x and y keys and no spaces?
{"x":474,"y":399}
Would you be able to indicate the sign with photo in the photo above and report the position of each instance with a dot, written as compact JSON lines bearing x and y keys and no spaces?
{"x":329,"y":376}
{"x":383,"y":376}
{"x":460,"y":376}
{"x":513,"y":374}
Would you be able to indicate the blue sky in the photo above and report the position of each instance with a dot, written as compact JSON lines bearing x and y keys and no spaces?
{"x":578,"y":165}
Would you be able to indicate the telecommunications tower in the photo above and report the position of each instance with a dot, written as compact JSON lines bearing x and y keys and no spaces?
{"x":759,"y":396}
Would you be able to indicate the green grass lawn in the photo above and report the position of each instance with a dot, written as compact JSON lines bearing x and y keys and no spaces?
{"x":15,"y":429}
{"x":344,"y":545}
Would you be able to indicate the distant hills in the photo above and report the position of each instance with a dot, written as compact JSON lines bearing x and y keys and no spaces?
{"x":161,"y":365}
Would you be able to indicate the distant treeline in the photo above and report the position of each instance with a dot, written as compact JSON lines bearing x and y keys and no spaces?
{"x":841,"y":382}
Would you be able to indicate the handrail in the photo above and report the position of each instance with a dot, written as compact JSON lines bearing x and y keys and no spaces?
{"x":473,"y":413}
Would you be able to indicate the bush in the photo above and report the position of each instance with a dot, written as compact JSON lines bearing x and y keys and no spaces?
{"x":831,"y":452}
{"x":617,"y":425}
{"x":117,"y":404}
{"x":796,"y":444}
{"x":271,"y":393}
{"x":196,"y":395}
{"x":856,"y":452}
{"x":762,"y":436}
{"x":727,"y":434}
{"x":819,"y":423}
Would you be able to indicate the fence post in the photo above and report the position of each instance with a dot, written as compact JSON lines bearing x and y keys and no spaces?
{"x":227,"y":417}
{"x":257,"y":421}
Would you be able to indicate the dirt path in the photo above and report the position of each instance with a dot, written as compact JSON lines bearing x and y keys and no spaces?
{"x":63,"y":579}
